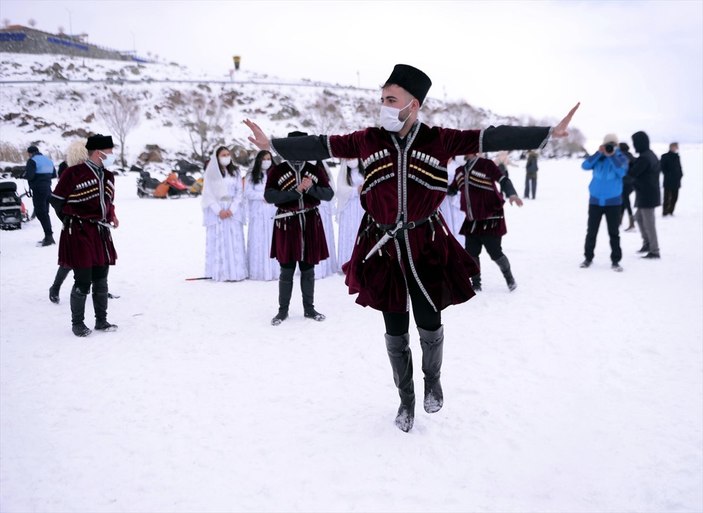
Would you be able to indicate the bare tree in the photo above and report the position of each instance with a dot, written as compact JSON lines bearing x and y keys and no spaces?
{"x":325,"y":115}
{"x":121,"y":114}
{"x":32,"y":22}
{"x":203,"y":115}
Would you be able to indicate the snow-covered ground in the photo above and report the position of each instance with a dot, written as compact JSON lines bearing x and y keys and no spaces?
{"x":580,"y":392}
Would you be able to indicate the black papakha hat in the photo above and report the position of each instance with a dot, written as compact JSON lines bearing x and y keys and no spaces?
{"x":32,"y":149}
{"x":296,"y":133}
{"x":99,"y":142}
{"x":411,"y":79}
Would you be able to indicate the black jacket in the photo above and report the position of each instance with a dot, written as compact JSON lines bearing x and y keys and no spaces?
{"x":644,"y":173}
{"x":671,"y":169}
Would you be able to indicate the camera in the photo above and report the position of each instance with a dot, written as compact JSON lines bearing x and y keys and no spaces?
{"x":609,"y":147}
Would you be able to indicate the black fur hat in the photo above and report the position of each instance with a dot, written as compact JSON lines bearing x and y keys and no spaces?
{"x":411,"y":79}
{"x":99,"y":142}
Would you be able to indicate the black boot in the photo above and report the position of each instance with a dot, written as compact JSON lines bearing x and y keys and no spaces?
{"x":632,"y":223}
{"x":48,"y":240}
{"x":61,"y":274}
{"x":644,"y":248}
{"x":285,"y":289}
{"x":100,"y":306}
{"x":398,"y":348}
{"x":504,"y":266}
{"x":432,"y":343}
{"x":78,"y":313}
{"x":307,"y":286}
{"x":476,"y":282}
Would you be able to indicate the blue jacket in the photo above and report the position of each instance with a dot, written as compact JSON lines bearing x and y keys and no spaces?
{"x":39,"y":170}
{"x":606,"y":185}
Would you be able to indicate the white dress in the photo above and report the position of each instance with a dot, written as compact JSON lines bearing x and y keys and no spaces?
{"x":225,"y":253}
{"x":260,"y":233}
{"x":451,"y":208}
{"x":330,"y":265}
{"x":349,"y":214}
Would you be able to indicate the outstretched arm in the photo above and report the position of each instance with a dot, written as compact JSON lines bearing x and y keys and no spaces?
{"x":258,"y":137}
{"x":561,"y":130}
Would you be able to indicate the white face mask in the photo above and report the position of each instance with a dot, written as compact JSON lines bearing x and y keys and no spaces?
{"x":265,"y":164}
{"x":224,"y":161}
{"x":108,"y":159}
{"x":389,"y":118}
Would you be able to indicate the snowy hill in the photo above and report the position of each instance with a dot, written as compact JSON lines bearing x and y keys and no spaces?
{"x":51,"y":99}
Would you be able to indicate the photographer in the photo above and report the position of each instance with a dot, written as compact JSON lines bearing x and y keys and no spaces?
{"x":609,"y":165}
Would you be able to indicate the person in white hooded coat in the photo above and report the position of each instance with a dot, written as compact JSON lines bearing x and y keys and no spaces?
{"x":223,"y":217}
{"x":260,"y":221}
{"x":349,"y":209}
{"x":330,"y":265}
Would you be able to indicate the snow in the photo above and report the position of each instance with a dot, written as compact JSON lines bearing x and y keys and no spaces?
{"x":579,"y":392}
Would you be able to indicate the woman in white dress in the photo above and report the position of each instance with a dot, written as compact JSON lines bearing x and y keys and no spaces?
{"x":330,"y":265}
{"x":260,"y":226}
{"x":349,"y":209}
{"x":223,"y":217}
{"x":450,"y":208}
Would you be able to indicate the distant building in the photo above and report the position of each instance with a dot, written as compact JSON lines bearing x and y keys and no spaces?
{"x":20,"y":39}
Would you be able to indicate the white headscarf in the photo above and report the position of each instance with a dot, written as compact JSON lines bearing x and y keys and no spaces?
{"x":214,"y":188}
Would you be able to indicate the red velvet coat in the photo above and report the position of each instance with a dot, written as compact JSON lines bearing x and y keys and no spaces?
{"x":299,"y":237}
{"x":484,"y":208}
{"x":411,"y":183}
{"x":83,"y":199}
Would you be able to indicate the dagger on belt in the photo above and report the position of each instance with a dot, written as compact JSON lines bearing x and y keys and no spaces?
{"x":390,"y":234}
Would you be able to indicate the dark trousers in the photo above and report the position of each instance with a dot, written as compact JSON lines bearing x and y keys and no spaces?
{"x":626,"y":206}
{"x":670,"y":197}
{"x":612,"y":218}
{"x":304,"y":266}
{"x":40,"y":198}
{"x":530,"y":183}
{"x":83,"y":277}
{"x":425,"y":316}
{"x":492,"y":243}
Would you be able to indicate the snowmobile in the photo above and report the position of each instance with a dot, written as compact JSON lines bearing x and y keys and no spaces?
{"x":146,"y":185}
{"x":12,"y":210}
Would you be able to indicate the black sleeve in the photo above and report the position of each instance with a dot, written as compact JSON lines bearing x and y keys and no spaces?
{"x":638,"y":167}
{"x":277,"y":197}
{"x":514,"y":138}
{"x":321,"y":193}
{"x":30,"y":171}
{"x":507,"y":187}
{"x":310,"y":147}
{"x":58,"y":206}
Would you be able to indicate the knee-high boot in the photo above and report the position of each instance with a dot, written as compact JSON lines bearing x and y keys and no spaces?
{"x":285,"y":290}
{"x":78,"y":313}
{"x":100,"y":306}
{"x":61,"y":274}
{"x":504,"y":266}
{"x":432,"y":343}
{"x":398,"y":347}
{"x":476,"y":279}
{"x":307,"y":287}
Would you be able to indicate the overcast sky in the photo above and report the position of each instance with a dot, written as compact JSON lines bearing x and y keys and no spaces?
{"x":633,"y":65}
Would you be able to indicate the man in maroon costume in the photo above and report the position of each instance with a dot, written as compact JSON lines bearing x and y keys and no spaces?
{"x":405,"y":255}
{"x":296,"y":187}
{"x":484,"y":224}
{"x":83,"y":200}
